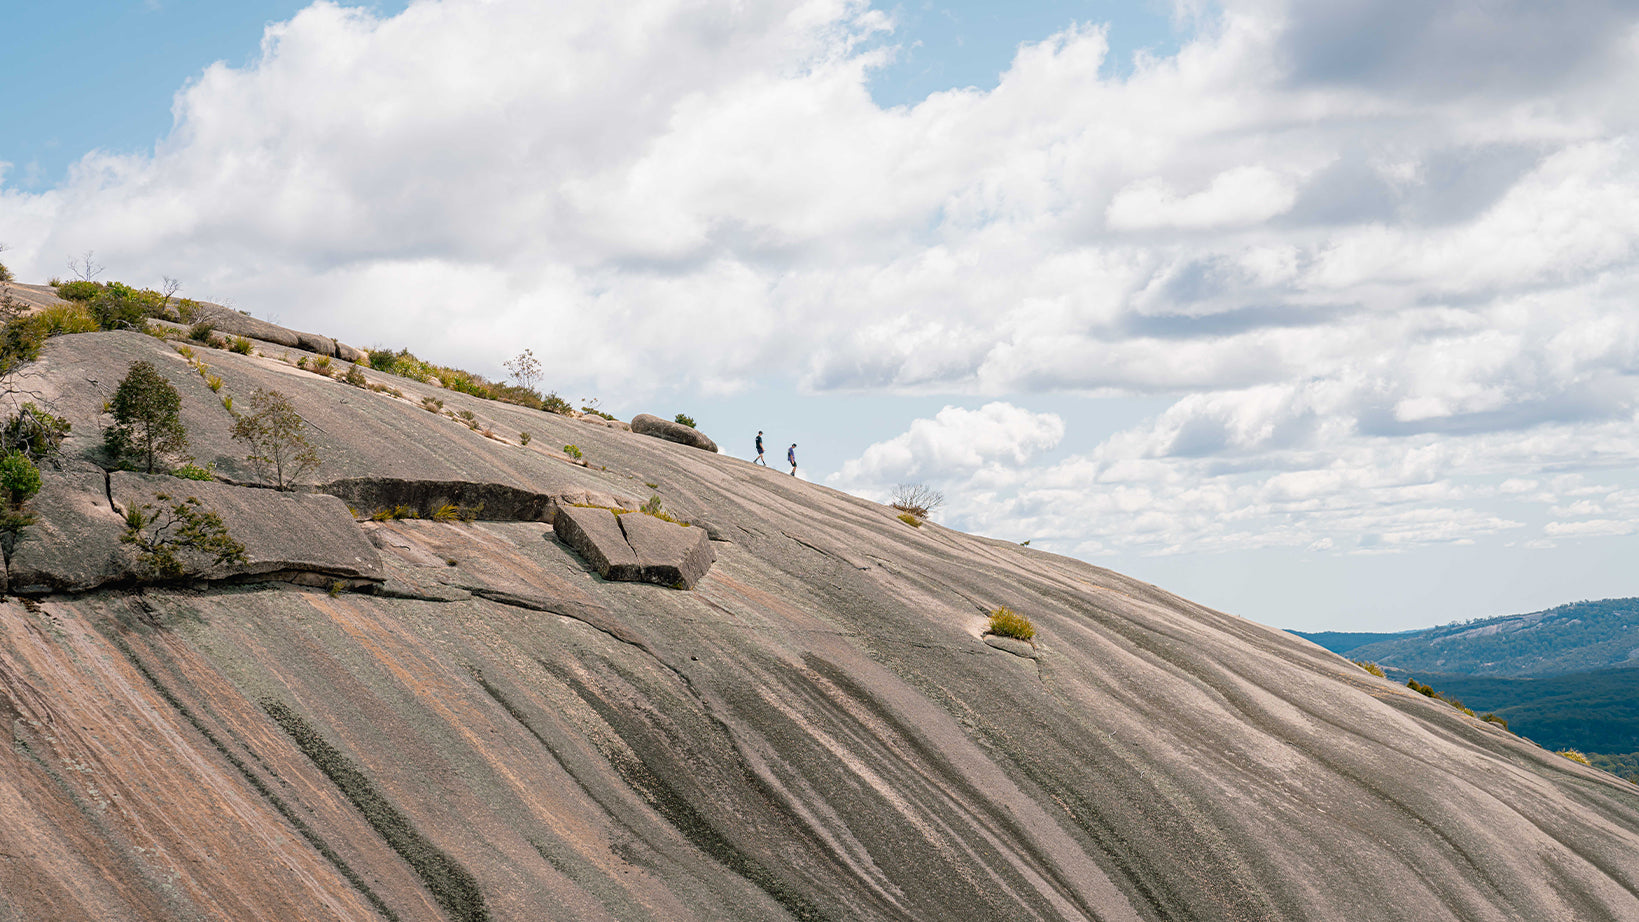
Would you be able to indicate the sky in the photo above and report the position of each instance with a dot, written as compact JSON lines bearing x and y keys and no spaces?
{"x":1320,"y":314}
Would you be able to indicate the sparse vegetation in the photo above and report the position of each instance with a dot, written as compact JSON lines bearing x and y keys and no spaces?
{"x":524,"y":368}
{"x":432,"y":404}
{"x":147,"y":418}
{"x":1005,"y":622}
{"x":393,"y":513}
{"x":1492,"y":718}
{"x":910,"y":520}
{"x":523,"y":438}
{"x":276,"y":435}
{"x":917,"y":499}
{"x":19,"y":479}
{"x":241,"y":345}
{"x":167,"y":539}
{"x":355,"y":377}
{"x":573,"y":451}
{"x":192,"y":471}
{"x":684,"y":419}
{"x":1574,"y":756}
{"x":1429,"y":692}
{"x":1370,"y":667}
{"x":34,"y":432}
{"x":202,"y":332}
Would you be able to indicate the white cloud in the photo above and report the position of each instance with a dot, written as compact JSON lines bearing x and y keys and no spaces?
{"x":1376,"y":257}
{"x":955,"y":443}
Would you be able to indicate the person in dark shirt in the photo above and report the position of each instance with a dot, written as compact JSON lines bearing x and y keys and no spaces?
{"x":760,"y":449}
{"x":791,"y":455}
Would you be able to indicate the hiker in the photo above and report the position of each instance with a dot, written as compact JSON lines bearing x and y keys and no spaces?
{"x":791,"y":455}
{"x":760,"y":449}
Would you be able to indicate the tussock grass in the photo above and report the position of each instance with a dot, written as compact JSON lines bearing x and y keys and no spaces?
{"x":1005,"y":622}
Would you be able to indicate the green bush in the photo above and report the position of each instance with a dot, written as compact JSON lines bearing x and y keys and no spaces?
{"x":1370,"y":667}
{"x":1492,"y":718}
{"x":192,"y":471}
{"x":35,"y":432}
{"x":201,"y":331}
{"x":1005,"y":622}
{"x":684,"y":419}
{"x":355,"y":377}
{"x":78,"y":291}
{"x":1574,"y":756}
{"x":240,"y":344}
{"x":19,"y":478}
{"x":552,"y":403}
{"x":523,"y":438}
{"x":910,"y":520}
{"x":121,"y":307}
{"x":573,"y":451}
{"x":277,"y":438}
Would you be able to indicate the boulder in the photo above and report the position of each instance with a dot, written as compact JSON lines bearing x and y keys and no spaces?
{"x":645,"y":424}
{"x":667,"y":553}
{"x":283,"y":533}
{"x":606,"y":423}
{"x":595,"y":534}
{"x":74,"y":543}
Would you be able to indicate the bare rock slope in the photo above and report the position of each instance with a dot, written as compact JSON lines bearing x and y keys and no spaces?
{"x":476,"y":725}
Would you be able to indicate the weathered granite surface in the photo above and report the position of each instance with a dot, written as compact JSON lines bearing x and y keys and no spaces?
{"x":818,"y":731}
{"x":645,"y":424}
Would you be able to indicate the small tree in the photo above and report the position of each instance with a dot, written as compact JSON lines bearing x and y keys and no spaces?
{"x":169,"y":537}
{"x":524,"y":368}
{"x":86,"y":268}
{"x":916,"y":499}
{"x":278,"y":445}
{"x":147,"y":418}
{"x":684,"y":419}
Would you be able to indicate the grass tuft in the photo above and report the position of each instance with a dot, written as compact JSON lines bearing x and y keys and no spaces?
{"x":1005,"y":622}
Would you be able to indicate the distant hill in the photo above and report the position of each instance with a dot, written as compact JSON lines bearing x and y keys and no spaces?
{"x":1341,"y":642}
{"x":1579,"y":637}
{"x":1591,"y":711}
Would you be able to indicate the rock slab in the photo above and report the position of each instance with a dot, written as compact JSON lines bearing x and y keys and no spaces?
{"x":282,"y":532}
{"x":645,"y":424}
{"x":668,"y":554}
{"x":74,"y":543}
{"x":595,"y":534}
{"x":633,"y":547}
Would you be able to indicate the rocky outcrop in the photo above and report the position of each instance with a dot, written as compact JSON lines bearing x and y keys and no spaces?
{"x":74,"y":543}
{"x":634,"y":547}
{"x":283,"y":533}
{"x":645,"y":424}
{"x":819,"y":730}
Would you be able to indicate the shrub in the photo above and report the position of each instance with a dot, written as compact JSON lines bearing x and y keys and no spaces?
{"x":573,"y":451}
{"x":355,"y":377}
{"x":176,"y":532}
{"x":201,"y":331}
{"x":23,"y":336}
{"x":19,"y":478}
{"x":1574,"y":756}
{"x":275,"y":434}
{"x":448,"y":512}
{"x":214,"y":382}
{"x":319,"y":365}
{"x":684,"y":419}
{"x":1005,"y":622}
{"x":192,"y":471}
{"x":1420,"y":688}
{"x":78,"y":290}
{"x":1370,"y":667}
{"x":910,"y":520}
{"x":393,"y":513}
{"x":918,"y":499}
{"x":523,"y":438}
{"x":240,"y":344}
{"x":121,"y":307}
{"x":147,"y":418}
{"x":552,"y":403}
{"x":35,"y":432}
{"x":1492,"y":718}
